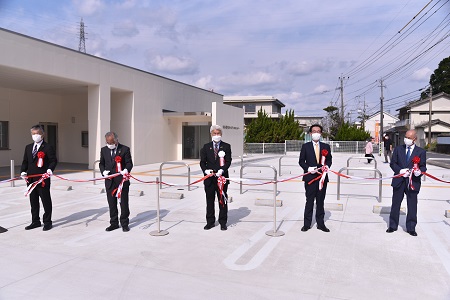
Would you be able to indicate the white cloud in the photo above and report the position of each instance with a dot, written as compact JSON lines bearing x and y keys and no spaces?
{"x":126,"y":28}
{"x":255,"y":79}
{"x":173,"y":65}
{"x":304,"y":68}
{"x":321,"y":89}
{"x":422,"y":74}
{"x":204,"y":82}
{"x":88,"y":7}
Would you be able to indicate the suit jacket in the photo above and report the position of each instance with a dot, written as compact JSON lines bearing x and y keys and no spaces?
{"x":208,"y":161}
{"x":29,"y":164}
{"x":399,"y":162}
{"x":308,"y":159}
{"x":108,"y":163}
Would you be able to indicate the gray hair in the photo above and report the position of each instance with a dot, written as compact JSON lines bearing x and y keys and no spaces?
{"x":215,"y":127}
{"x":38,"y":127}
{"x":111,"y":133}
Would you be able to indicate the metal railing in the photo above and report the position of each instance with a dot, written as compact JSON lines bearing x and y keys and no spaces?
{"x":362,"y":157}
{"x":175,"y":163}
{"x":435,"y":159}
{"x":274,"y":232}
{"x":94,"y":171}
{"x":380,"y":185}
{"x":279,"y":162}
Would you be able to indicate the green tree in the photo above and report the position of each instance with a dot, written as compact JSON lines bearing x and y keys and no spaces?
{"x":266,"y":130}
{"x":332,"y":121}
{"x":348,"y":132}
{"x":440,"y":79}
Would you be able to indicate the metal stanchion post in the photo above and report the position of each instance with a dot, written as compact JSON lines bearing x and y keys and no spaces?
{"x":274,"y":232}
{"x":158,"y":232}
{"x":12,"y":172}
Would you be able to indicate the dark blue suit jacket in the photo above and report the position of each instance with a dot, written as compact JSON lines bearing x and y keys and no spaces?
{"x":308,"y":159}
{"x":29,"y":164}
{"x":399,"y":162}
{"x":209,"y":162}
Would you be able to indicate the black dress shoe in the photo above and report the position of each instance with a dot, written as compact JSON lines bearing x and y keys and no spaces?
{"x":223,"y":227}
{"x":47,"y":227}
{"x":390,"y":230}
{"x":323,"y":228}
{"x":305,"y":228}
{"x":125,"y":228}
{"x":32,"y":226}
{"x":209,"y":226}
{"x":112,"y":227}
{"x":412,"y":232}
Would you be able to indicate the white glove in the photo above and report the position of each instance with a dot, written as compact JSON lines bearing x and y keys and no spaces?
{"x":417,"y":173}
{"x":124,"y":171}
{"x":23,"y":174}
{"x":219,"y":173}
{"x":105,"y":173}
{"x":313,"y":170}
{"x":49,"y":172}
{"x":208,"y":171}
{"x":406,"y":171}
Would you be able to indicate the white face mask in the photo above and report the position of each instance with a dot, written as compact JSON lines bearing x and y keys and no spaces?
{"x":316,"y":136}
{"x":36,"y":138}
{"x":408,"y":142}
{"x":111,"y":147}
{"x":216,"y":138}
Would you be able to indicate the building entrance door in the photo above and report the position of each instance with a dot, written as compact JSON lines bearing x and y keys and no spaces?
{"x":194,"y":137}
{"x":51,"y":134}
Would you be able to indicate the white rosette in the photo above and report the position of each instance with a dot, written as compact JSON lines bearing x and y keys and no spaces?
{"x":221,"y":155}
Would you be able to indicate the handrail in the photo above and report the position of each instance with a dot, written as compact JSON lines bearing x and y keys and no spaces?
{"x":94,"y":171}
{"x":274,"y":232}
{"x":177,"y":164}
{"x":279,"y":162}
{"x":380,"y":185}
{"x":362,"y":157}
{"x":435,"y":159}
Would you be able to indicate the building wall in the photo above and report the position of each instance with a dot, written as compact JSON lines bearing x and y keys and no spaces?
{"x":108,"y":97}
{"x":232,"y":121}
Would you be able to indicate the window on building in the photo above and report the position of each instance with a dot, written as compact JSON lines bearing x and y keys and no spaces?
{"x":4,"y":135}
{"x":250,"y":108}
{"x":84,"y":139}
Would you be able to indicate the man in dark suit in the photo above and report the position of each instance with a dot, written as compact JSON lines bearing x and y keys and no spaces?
{"x":311,"y":160}
{"x":215,"y":158}
{"x":116,"y":158}
{"x":39,"y":158}
{"x":402,"y":162}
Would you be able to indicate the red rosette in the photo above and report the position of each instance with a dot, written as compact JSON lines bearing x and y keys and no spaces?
{"x":118,"y":161}
{"x":324,"y":152}
{"x":416,"y":160}
{"x":40,"y":161}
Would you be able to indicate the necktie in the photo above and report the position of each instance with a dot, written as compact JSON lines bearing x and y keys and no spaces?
{"x":408,"y":154}
{"x":316,"y":149}
{"x":35,"y":151}
{"x":216,"y":150}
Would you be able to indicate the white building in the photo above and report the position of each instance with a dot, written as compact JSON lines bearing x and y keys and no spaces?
{"x":415,"y":115}
{"x":372,"y":124}
{"x":252,"y":104}
{"x":79,"y":97}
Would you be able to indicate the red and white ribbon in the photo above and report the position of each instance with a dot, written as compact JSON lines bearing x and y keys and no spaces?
{"x":32,"y":186}
{"x":221,"y":181}
{"x":125,"y":177}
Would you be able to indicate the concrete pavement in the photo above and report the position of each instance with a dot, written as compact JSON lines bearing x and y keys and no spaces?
{"x":77,"y":259}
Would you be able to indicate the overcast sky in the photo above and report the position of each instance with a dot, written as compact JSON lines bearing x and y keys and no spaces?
{"x":294,"y":50}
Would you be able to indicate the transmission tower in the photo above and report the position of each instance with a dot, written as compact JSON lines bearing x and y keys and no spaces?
{"x":82,"y":44}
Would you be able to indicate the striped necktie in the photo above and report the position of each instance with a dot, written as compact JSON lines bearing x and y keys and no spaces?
{"x":216,"y":150}
{"x":35,"y":150}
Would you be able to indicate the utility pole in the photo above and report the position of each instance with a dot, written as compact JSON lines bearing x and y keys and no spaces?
{"x":381,"y":111}
{"x":82,"y":43}
{"x":429,"y":117}
{"x":342,"y":98}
